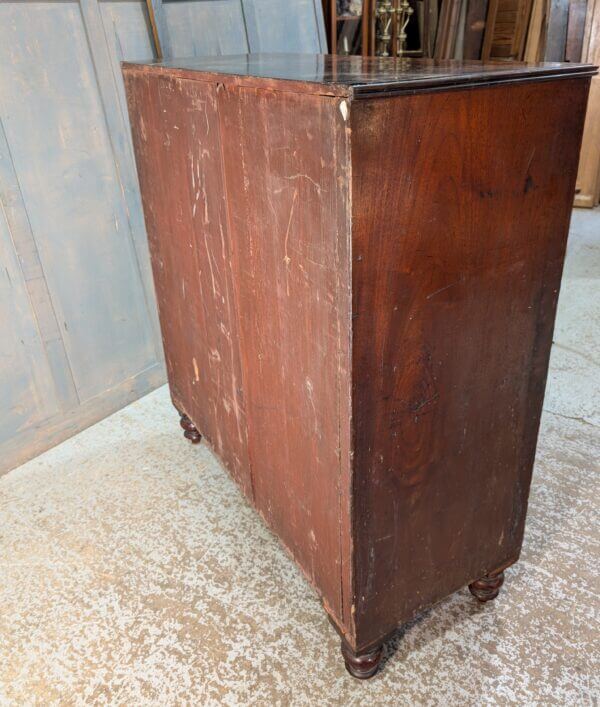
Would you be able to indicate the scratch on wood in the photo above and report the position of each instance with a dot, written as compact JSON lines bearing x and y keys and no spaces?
{"x":305,"y":176}
{"x":447,"y":287}
{"x":286,"y":257}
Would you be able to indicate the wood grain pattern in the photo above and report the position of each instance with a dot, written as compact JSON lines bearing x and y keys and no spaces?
{"x":249,"y":353}
{"x":453,"y":306}
{"x":285,"y":201}
{"x":385,"y":271}
{"x":172,"y":121}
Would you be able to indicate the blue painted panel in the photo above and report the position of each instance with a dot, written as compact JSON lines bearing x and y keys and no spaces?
{"x":275,"y":26}
{"x":57,"y":133}
{"x":205,"y":27}
{"x":26,"y":390}
{"x":127,"y":29}
{"x":77,"y":313}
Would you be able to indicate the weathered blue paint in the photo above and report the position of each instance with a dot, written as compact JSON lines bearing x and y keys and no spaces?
{"x":77,"y":313}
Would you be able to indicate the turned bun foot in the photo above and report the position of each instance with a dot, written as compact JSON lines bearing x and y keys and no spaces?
{"x":361,"y":665}
{"x":488,"y":587}
{"x":189,"y":430}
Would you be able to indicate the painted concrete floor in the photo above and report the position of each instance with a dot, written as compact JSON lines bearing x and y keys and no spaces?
{"x":133,"y":572}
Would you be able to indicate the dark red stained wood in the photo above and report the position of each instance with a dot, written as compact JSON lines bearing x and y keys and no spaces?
{"x":286,"y":166}
{"x":460,"y":220}
{"x":176,"y":137}
{"x":251,"y":294}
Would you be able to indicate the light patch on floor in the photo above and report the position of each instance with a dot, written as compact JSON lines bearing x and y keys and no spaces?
{"x":134,"y":573}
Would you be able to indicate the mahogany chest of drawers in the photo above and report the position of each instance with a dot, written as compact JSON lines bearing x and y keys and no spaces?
{"x":357,"y":264}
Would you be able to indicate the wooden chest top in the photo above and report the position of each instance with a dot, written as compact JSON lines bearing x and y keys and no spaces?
{"x":358,"y":76}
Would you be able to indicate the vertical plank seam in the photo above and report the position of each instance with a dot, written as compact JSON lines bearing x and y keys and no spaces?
{"x":219,"y":88}
{"x":350,"y":362}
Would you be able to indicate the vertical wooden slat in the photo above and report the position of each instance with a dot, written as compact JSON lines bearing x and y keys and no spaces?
{"x":474,"y":29}
{"x":321,"y":29}
{"x":448,"y":27}
{"x":588,"y":30}
{"x":556,"y":36}
{"x":536,"y":33}
{"x":126,"y":26}
{"x":294,"y":357}
{"x":588,"y":175}
{"x":160,"y":33}
{"x":110,"y":85}
{"x":593,"y":47}
{"x":575,"y":30}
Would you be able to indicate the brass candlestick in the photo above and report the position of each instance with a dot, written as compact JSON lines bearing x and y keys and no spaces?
{"x":403,"y":15}
{"x":384,"y":14}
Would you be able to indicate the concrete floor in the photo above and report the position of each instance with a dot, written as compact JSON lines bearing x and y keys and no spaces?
{"x":133,"y":572}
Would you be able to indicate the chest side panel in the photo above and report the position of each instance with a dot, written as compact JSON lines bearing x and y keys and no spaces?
{"x":175,"y":127}
{"x":461,"y":204}
{"x":286,"y":170}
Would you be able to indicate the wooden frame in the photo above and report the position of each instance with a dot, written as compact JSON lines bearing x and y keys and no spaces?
{"x":159,"y":30}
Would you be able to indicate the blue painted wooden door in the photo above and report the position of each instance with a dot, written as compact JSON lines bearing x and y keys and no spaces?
{"x":79,"y":334}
